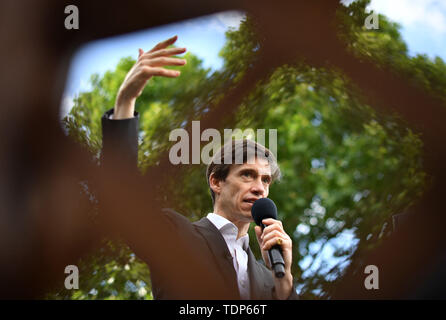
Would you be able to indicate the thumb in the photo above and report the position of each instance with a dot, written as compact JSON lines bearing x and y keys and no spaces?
{"x":258,"y":232}
{"x":141,"y":51}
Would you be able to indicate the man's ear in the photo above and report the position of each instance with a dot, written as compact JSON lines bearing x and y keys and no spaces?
{"x":214,"y":184}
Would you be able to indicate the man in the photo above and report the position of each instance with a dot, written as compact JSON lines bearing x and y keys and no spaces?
{"x":222,"y":236}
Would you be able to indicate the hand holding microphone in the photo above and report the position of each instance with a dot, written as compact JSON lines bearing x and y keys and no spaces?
{"x":276,"y":245}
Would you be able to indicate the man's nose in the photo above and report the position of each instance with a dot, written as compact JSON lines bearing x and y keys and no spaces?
{"x":258,"y":188}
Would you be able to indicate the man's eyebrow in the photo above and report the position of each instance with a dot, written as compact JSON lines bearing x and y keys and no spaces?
{"x":251,"y":170}
{"x":256,"y":172}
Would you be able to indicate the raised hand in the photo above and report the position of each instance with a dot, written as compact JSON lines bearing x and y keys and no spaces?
{"x":149,"y":64}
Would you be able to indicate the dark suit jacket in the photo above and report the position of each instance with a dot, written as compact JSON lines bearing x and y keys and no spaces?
{"x":215,"y":248}
{"x":203,"y":234}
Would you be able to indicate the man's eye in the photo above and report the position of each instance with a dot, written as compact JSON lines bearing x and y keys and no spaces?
{"x":247,"y":174}
{"x":266,"y":180}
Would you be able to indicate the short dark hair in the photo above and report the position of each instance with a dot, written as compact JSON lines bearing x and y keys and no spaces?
{"x":240,"y":151}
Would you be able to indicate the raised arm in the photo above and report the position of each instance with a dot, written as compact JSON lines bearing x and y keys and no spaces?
{"x":120,"y":125}
{"x":149,"y":64}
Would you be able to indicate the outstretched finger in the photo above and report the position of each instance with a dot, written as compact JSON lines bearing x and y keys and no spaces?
{"x":162,"y":72}
{"x":141,"y":52}
{"x":165,"y":52}
{"x":164,"y":44}
{"x":163,"y":61}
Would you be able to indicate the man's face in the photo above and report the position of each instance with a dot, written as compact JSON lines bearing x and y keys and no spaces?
{"x":244,"y":184}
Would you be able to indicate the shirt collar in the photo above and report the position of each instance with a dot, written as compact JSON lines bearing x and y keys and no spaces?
{"x":226,"y":227}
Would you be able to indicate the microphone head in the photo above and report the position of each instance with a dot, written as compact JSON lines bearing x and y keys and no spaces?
{"x":263,"y":208}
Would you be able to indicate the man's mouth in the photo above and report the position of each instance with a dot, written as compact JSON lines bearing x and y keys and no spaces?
{"x":250,"y":200}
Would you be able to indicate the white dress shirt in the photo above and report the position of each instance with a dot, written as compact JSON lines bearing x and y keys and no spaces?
{"x":238,"y":249}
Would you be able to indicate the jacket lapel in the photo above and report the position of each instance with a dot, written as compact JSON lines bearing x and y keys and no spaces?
{"x":220,"y":251}
{"x":260,"y":279}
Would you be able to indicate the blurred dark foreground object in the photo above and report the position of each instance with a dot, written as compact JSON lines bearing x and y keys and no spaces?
{"x":45,"y":222}
{"x":411,"y":263}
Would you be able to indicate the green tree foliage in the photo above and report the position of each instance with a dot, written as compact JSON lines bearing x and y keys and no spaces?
{"x":346,"y":169}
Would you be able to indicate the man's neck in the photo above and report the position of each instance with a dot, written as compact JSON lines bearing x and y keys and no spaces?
{"x":242,"y":226}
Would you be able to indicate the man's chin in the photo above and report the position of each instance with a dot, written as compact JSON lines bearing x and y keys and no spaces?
{"x":247,"y":206}
{"x":246,"y":212}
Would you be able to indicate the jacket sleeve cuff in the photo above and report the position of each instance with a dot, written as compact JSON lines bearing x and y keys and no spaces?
{"x":120,"y":139}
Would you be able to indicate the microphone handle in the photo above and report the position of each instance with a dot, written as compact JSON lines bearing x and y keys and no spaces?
{"x":276,"y":259}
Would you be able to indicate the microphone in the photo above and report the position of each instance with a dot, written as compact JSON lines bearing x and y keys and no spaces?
{"x":265,"y":208}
